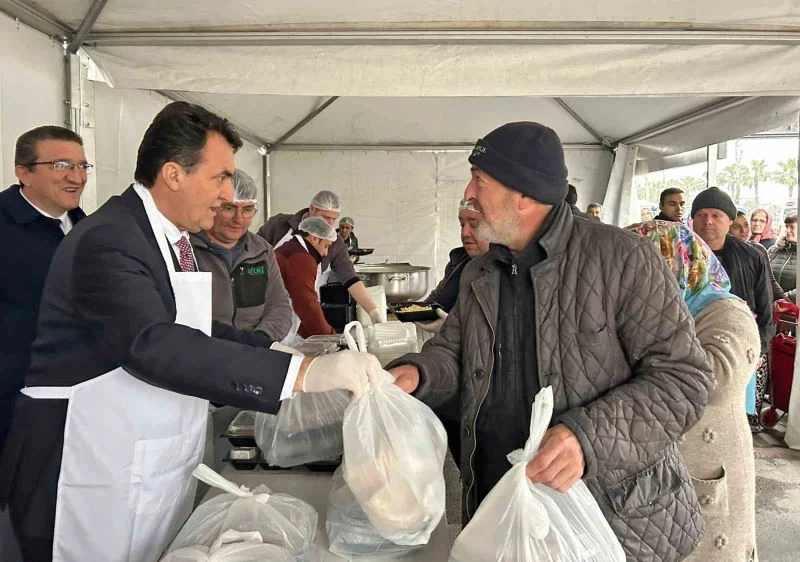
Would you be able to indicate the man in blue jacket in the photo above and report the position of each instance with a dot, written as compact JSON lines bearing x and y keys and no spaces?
{"x":35,"y":215}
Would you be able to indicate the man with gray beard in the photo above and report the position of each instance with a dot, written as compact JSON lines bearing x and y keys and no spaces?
{"x":589,"y":310}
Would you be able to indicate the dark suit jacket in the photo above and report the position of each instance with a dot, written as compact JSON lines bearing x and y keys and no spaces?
{"x":29,"y":240}
{"x":108,"y":302}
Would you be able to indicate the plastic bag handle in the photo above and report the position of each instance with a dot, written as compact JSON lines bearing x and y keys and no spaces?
{"x":207,"y":475}
{"x":541,"y":414}
{"x":351,"y":343}
{"x":230,"y":536}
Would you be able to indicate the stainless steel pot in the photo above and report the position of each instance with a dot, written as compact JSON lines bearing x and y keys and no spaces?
{"x":401,"y":281}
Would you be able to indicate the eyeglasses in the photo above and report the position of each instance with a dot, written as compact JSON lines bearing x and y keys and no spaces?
{"x":64,"y":165}
{"x":229,"y":211}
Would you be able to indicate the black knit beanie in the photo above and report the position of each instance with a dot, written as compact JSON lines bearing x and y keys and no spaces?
{"x":526,"y":157}
{"x":714,"y":198}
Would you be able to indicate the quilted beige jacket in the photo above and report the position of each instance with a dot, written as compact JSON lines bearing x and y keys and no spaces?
{"x":718,"y":451}
{"x":617,"y":344}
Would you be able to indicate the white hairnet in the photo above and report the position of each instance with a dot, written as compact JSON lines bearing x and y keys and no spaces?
{"x":326,"y":201}
{"x":465,"y":205}
{"x":244,"y":188}
{"x":347,"y":220}
{"x":317,"y":226}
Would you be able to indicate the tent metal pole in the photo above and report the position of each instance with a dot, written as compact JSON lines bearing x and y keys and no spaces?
{"x":686,"y":119}
{"x":243,"y":132}
{"x":425,"y":147}
{"x":303,"y":122}
{"x":86,"y":25}
{"x":267,"y":182}
{"x":32,"y":17}
{"x":579,"y":119}
{"x":343,"y":36}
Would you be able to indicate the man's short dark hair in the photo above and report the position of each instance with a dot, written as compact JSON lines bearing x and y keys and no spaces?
{"x":572,"y":195}
{"x":25,"y":153}
{"x":178,"y":134}
{"x":667,"y":192}
{"x":791,"y":219}
{"x":594,"y":206}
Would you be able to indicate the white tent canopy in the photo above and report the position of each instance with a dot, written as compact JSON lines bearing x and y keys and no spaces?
{"x":414,"y":83}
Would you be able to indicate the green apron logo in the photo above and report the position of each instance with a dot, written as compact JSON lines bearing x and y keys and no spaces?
{"x":256,"y":270}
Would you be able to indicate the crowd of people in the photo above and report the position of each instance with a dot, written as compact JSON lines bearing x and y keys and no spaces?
{"x":653,"y":338}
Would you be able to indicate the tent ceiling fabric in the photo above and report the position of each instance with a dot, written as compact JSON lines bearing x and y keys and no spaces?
{"x":198,"y":14}
{"x":459,"y":70}
{"x":439,"y":120}
{"x":391,"y":120}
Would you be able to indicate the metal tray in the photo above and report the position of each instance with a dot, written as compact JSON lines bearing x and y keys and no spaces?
{"x":422,"y":316}
{"x":361,"y":251}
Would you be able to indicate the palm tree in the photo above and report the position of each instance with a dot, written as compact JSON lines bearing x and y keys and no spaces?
{"x":650,"y":191}
{"x":759,"y":173}
{"x":691,"y":186}
{"x":786,"y":174}
{"x":734,"y":177}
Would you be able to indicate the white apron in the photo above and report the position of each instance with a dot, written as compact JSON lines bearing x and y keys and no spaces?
{"x":322,"y":276}
{"x":292,"y":338}
{"x":125,"y":486}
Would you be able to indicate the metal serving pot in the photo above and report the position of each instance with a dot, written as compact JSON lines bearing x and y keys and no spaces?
{"x":401,"y":281}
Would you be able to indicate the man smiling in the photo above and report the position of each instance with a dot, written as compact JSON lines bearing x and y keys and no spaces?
{"x":35,"y":214}
{"x":112,"y":419}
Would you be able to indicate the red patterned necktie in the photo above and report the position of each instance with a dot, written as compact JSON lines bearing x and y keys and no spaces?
{"x":185,"y":256}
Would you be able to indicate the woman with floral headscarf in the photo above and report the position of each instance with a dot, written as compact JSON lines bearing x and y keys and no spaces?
{"x":761,"y":228}
{"x":719,"y":450}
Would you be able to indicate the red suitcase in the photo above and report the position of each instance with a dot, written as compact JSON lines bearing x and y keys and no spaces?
{"x":781,"y":362}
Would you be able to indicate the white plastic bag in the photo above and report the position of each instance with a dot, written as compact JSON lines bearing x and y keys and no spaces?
{"x":524,"y":522}
{"x":349,"y":531}
{"x":394,"y":450}
{"x":308,"y":428}
{"x":281,"y":519}
{"x":232,"y":546}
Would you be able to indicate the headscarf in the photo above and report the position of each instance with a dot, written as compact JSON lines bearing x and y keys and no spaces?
{"x":700,"y":274}
{"x":768,"y":233}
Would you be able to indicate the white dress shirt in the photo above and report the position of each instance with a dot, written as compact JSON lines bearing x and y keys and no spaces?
{"x":66,"y":222}
{"x":174,"y":234}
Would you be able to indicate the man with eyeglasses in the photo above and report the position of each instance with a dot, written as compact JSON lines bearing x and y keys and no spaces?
{"x":35,"y":214}
{"x":112,"y":420}
{"x":247,"y":289}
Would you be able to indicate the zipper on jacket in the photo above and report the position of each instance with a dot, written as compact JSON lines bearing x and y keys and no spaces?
{"x":513,"y":269}
{"x":478,"y":412}
{"x":233,"y":292}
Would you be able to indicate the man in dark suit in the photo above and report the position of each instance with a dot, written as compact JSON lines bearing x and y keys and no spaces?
{"x":112,"y":419}
{"x":35,"y":214}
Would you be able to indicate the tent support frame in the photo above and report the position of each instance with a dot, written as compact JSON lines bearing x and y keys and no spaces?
{"x":581,"y":121}
{"x":86,"y":25}
{"x":243,"y":132}
{"x":339,"y":35}
{"x":302,"y":123}
{"x":35,"y":19}
{"x":416,"y":147}
{"x":686,"y":119}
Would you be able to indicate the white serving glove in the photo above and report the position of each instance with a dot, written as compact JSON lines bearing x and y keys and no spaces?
{"x":435,"y":325}
{"x":347,"y":370}
{"x":375,"y":316}
{"x":277,"y":346}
